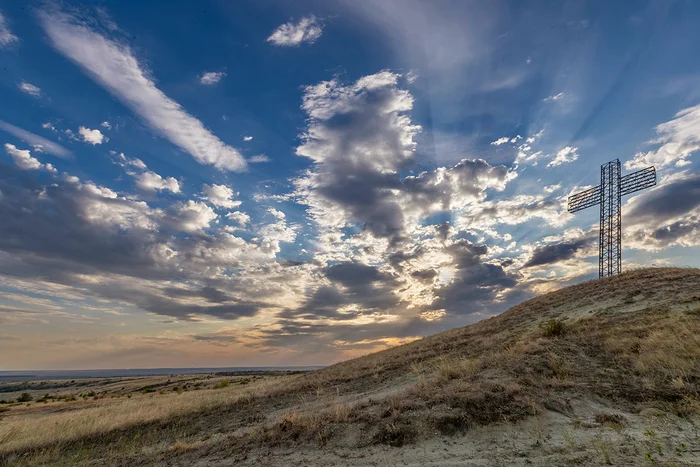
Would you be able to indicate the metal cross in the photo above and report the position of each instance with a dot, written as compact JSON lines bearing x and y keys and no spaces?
{"x":609,"y":195}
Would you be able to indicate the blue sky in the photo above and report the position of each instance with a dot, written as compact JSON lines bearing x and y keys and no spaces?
{"x":271,"y":183}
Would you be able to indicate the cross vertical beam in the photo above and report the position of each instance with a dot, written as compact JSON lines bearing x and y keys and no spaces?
{"x":610,"y":254}
{"x":613,"y":186}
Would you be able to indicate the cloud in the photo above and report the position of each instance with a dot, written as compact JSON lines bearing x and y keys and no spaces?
{"x":30,"y":89}
{"x":211,"y":77}
{"x":564,"y":156}
{"x":170,"y":260}
{"x":93,"y":137}
{"x":500,"y":141}
{"x":239,"y":218}
{"x":360,"y":138}
{"x":24,"y":160}
{"x":220,"y":196}
{"x":476,"y":283}
{"x":291,"y":34}
{"x":125,"y":162}
{"x":106,"y":125}
{"x":114,"y":66}
{"x":260,"y":158}
{"x":151,"y":181}
{"x":668,"y":215}
{"x":247,"y":138}
{"x":554,"y":97}
{"x":47,"y":146}
{"x":554,"y":253}
{"x":679,"y":138}
{"x":6,"y":36}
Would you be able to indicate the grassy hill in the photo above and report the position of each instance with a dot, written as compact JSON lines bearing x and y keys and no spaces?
{"x":604,"y":372}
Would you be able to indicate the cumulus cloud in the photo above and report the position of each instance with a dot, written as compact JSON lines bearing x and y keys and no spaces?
{"x":679,"y":138}
{"x":6,"y":36}
{"x":239,"y":218}
{"x":46,"y":146}
{"x":564,"y":156}
{"x":247,"y":138}
{"x":292,"y":34}
{"x":93,"y":137}
{"x":151,"y":181}
{"x":500,"y":141}
{"x":113,"y":65}
{"x":24,"y":160}
{"x":211,"y":77}
{"x":220,"y":196}
{"x":29,"y":88}
{"x":360,"y":138}
{"x":106,"y":125}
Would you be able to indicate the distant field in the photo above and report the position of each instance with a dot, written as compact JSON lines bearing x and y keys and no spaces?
{"x":602,"y":373}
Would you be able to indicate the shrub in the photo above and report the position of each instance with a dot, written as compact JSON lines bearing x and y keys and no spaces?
{"x":395,"y":434}
{"x":553,"y":328}
{"x":148,"y":390}
{"x":25,"y":397}
{"x":221,"y":384}
{"x":452,"y":368}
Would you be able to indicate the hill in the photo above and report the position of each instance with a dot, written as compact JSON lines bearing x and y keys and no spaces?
{"x":604,"y":372}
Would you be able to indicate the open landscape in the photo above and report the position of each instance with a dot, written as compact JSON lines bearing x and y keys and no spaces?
{"x":349,"y":233}
{"x":601,"y":373}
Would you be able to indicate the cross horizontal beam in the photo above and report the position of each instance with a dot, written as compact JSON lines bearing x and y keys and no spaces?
{"x":638,"y":180}
{"x":584,"y":199}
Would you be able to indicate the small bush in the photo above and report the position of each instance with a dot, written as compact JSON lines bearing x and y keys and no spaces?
{"x":395,"y":434}
{"x":221,"y":384}
{"x":25,"y":397}
{"x":148,"y":390}
{"x":452,"y":368}
{"x":553,"y":328}
{"x":450,"y":424}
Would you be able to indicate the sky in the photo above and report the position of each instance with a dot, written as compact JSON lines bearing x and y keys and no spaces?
{"x":215,"y":183}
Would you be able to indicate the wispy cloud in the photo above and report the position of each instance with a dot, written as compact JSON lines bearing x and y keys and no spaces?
{"x":554,"y":97}
{"x":35,"y":140}
{"x":564,"y":156}
{"x":258,"y":159}
{"x":30,"y":89}
{"x":114,"y":66}
{"x":6,"y":36}
{"x":211,"y":77}
{"x":292,"y":34}
{"x":679,"y":138}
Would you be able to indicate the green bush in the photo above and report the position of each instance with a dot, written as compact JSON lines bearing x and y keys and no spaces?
{"x":147,"y":390}
{"x":221,"y":384}
{"x":25,"y":397}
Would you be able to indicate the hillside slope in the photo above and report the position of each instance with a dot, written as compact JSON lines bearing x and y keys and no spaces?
{"x":604,"y":372}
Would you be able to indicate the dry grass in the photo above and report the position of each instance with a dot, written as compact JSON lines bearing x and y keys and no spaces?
{"x":628,"y":339}
{"x":81,"y":420}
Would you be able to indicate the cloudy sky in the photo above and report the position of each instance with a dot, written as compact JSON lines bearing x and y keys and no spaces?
{"x":224,"y":183}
